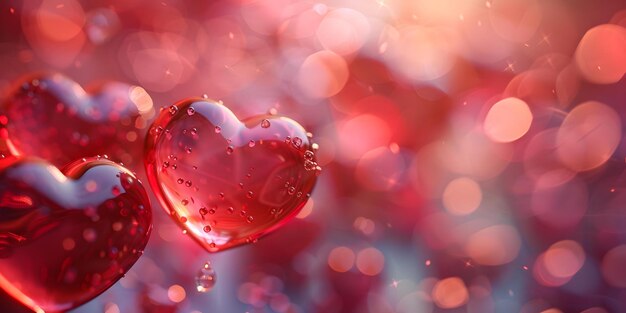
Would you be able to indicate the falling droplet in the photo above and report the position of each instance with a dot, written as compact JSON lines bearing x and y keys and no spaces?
{"x":218,"y":129}
{"x":191,"y":111}
{"x":265,"y":123}
{"x":205,"y":279}
{"x":229,"y":150}
{"x":173,"y":109}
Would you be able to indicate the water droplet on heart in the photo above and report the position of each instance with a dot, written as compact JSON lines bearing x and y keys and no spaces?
{"x":309,"y":135}
{"x":203,"y":211}
{"x":297,"y":142}
{"x":291,"y":190}
{"x":240,"y":185}
{"x":243,"y":213}
{"x":174,"y":166}
{"x":310,"y":165}
{"x":318,"y":171}
{"x":188,"y":150}
{"x":250,"y":219}
{"x":230,"y":210}
{"x":205,"y":96}
{"x":212,"y":210}
{"x":188,"y":183}
{"x":166,"y":164}
{"x":184,"y":201}
{"x":218,"y":129}
{"x":272,"y":111}
{"x":229,"y":150}
{"x":115,"y":191}
{"x":315,"y":146}
{"x":191,"y":111}
{"x":205,"y":279}
{"x":158,"y":130}
{"x":288,"y":139}
{"x":173,"y":109}
{"x":180,"y":180}
{"x":265,"y":123}
{"x":207,"y":228}
{"x":183,"y":219}
{"x":194,"y":131}
{"x":308,"y":155}
{"x":221,"y":194}
{"x":251,"y":143}
{"x":250,"y":194}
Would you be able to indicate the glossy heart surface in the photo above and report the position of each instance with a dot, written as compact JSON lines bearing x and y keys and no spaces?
{"x":224,"y":181}
{"x":52,"y":117}
{"x":66,"y":236}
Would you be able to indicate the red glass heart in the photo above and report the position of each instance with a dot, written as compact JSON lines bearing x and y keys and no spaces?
{"x":66,"y":236}
{"x":228,"y":182}
{"x":53,"y":117}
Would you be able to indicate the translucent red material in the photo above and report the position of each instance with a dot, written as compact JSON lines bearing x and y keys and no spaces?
{"x":66,"y":236}
{"x":228,"y":182}
{"x":52,"y":117}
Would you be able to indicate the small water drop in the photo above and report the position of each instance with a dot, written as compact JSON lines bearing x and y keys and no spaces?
{"x":185,"y":202}
{"x":250,"y":219}
{"x":173,"y":109}
{"x":174,"y":166}
{"x":191,"y":111}
{"x":265,"y":123}
{"x":180,"y":180}
{"x":230,"y":210}
{"x":251,"y":143}
{"x":229,"y":150}
{"x":188,"y":150}
{"x":250,"y":194}
{"x":297,"y":142}
{"x":221,"y":195}
{"x":291,"y":190}
{"x":310,"y":165}
{"x":183,"y":219}
{"x":308,"y":155}
{"x":205,"y":96}
{"x":116,"y":191}
{"x":213,"y":209}
{"x":166,"y":164}
{"x":188,"y":183}
{"x":194,"y":131}
{"x":207,"y":229}
{"x":203,"y":211}
{"x":218,"y":129}
{"x":205,"y":279}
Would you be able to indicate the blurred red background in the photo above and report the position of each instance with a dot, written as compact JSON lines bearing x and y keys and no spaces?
{"x":472,"y":150}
